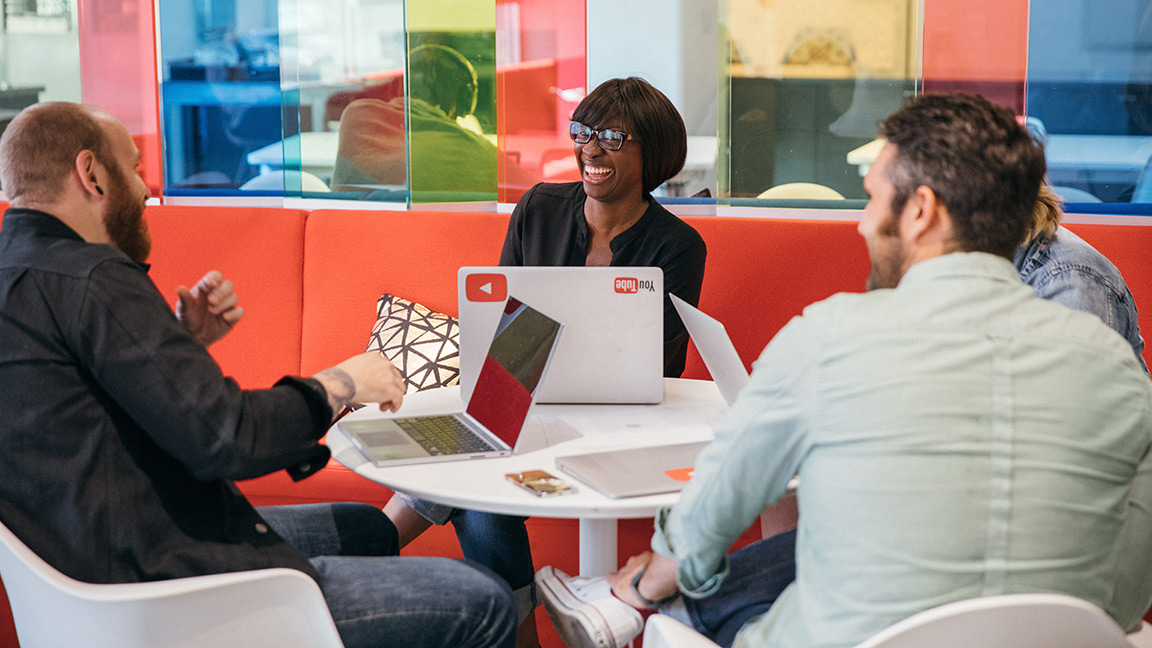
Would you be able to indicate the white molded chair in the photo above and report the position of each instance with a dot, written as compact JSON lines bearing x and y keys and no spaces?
{"x":279,"y":180}
{"x":1143,"y":191}
{"x":267,"y":608}
{"x":1074,"y":195}
{"x":801,"y":191}
{"x":1008,"y":621}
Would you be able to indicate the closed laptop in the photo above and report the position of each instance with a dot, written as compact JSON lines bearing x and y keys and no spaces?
{"x":635,"y":471}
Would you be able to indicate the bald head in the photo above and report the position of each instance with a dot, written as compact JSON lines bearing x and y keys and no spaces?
{"x":40,"y":147}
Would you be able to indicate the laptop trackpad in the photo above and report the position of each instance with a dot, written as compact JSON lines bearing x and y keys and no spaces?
{"x":385,"y":440}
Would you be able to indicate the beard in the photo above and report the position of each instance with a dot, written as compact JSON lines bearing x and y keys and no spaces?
{"x":124,"y":219}
{"x":887,"y":256}
{"x":887,"y":270}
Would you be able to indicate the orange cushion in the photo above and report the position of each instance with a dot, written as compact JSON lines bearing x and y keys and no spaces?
{"x":353,"y":257}
{"x":1127,"y":246}
{"x":261,"y":251}
{"x":762,"y":272}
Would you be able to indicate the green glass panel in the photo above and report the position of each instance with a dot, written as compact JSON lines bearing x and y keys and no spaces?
{"x":343,"y":93}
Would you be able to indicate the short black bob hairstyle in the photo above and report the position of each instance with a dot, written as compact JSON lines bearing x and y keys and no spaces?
{"x":647,"y":115}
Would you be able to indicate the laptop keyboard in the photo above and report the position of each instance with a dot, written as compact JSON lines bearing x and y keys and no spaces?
{"x":444,"y":435}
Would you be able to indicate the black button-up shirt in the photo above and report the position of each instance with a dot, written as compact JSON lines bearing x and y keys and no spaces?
{"x":119,"y":436}
{"x":548,"y":229}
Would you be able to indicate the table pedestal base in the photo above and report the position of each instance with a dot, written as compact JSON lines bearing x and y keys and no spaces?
{"x":597,"y":546}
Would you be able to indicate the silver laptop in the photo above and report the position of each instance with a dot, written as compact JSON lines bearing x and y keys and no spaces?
{"x":635,"y":471}
{"x":716,"y":349}
{"x":516,"y":360}
{"x":613,"y":345}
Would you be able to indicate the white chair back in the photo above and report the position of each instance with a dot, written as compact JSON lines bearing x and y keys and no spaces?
{"x":281,"y":180}
{"x":1008,"y":621}
{"x":267,"y":608}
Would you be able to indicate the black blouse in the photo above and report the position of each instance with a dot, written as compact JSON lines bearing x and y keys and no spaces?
{"x":548,"y":229}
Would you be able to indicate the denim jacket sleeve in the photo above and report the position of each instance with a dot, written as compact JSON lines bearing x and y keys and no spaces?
{"x":1068,"y":271}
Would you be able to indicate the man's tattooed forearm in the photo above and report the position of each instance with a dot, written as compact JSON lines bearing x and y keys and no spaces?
{"x":340,"y":386}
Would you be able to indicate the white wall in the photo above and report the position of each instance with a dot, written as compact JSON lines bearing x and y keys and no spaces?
{"x":48,"y":60}
{"x":671,"y":43}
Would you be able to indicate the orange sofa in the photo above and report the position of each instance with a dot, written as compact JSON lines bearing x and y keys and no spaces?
{"x":309,"y":282}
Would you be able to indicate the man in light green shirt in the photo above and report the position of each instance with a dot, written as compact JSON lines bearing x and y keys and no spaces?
{"x":954,"y":435}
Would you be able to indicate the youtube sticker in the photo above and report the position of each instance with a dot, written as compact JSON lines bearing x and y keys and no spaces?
{"x":486,"y":287}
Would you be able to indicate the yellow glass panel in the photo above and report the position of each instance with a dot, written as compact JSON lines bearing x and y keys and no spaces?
{"x":451,"y":101}
{"x":804,"y":83}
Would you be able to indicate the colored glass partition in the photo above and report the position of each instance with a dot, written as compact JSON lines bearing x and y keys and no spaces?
{"x":250,"y":97}
{"x":978,"y":47}
{"x":541,"y":76}
{"x":117,"y":41}
{"x":220,"y":93}
{"x":1089,"y":94}
{"x":451,"y":101}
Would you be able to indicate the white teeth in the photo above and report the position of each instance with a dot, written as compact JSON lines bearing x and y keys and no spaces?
{"x":597,"y":170}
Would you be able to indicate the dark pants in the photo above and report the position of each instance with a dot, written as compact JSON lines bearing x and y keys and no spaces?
{"x":758,"y":574}
{"x":377,"y":598}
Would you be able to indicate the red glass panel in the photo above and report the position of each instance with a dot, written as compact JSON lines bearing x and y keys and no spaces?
{"x":541,"y":72}
{"x":118,"y":72}
{"x":977,"y":46}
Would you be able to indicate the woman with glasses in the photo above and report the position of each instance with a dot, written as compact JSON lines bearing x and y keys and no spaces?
{"x":628,"y":139}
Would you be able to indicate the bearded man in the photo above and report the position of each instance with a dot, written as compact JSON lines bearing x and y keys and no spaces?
{"x":955,"y":436}
{"x":120,"y":437}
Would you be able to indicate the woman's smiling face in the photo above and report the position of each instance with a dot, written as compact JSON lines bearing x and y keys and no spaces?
{"x":610,"y":176}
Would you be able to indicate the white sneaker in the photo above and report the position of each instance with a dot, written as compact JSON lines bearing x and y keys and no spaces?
{"x":585,"y":612}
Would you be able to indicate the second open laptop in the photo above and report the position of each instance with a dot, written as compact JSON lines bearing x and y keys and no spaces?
{"x":517,"y":359}
{"x":716,"y":349}
{"x":613,"y":345}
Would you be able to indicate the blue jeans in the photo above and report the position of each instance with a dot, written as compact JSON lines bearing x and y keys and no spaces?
{"x":758,"y":574}
{"x":380,"y":599}
{"x":499,"y":542}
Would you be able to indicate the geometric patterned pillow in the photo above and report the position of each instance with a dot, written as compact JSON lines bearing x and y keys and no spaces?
{"x":423,"y":344}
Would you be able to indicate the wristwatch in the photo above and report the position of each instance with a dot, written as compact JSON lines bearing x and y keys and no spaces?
{"x":650,"y":604}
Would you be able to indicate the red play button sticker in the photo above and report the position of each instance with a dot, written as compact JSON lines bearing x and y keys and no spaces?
{"x":486,"y":287}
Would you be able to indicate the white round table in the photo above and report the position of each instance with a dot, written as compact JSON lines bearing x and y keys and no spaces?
{"x":689,"y":411}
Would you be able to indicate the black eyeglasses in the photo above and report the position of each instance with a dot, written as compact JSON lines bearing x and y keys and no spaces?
{"x":608,"y":139}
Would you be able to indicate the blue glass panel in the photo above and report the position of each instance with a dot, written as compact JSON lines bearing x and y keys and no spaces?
{"x":220,"y":94}
{"x":1089,"y":93}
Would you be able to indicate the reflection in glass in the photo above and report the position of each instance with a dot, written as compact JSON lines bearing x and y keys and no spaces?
{"x":451,"y":159}
{"x":333,"y":55}
{"x":807,"y":81}
{"x":468,"y":28}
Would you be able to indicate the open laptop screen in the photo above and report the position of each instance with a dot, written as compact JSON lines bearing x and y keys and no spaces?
{"x":512,"y":370}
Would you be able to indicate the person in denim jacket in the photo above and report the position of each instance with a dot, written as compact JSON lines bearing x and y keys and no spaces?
{"x":1063,"y":268}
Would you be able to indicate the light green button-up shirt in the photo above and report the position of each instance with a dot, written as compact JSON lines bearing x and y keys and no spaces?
{"x":954,"y":437}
